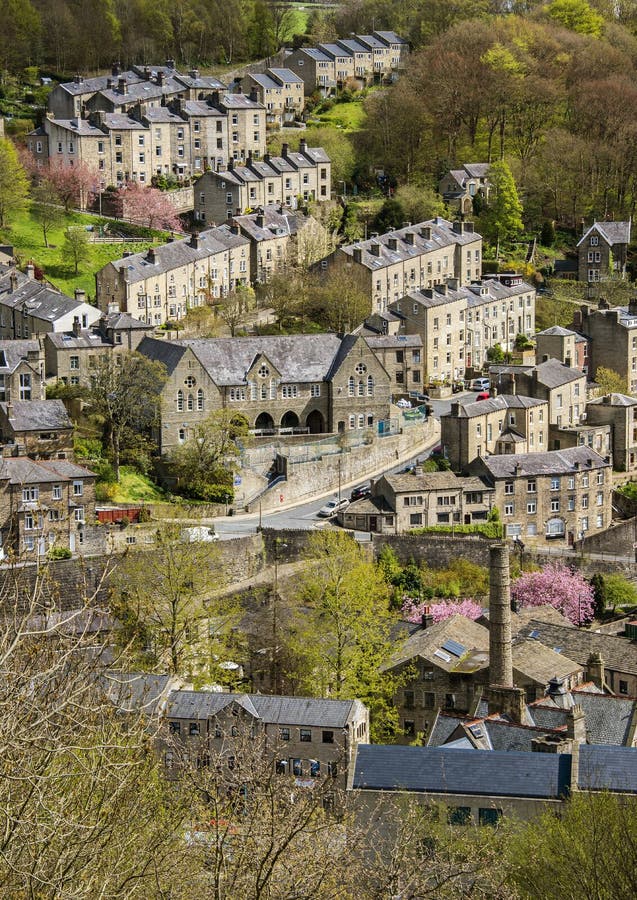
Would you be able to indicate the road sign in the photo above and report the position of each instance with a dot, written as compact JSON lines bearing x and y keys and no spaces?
{"x":237,"y":480}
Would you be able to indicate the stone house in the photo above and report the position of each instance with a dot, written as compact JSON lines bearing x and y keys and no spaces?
{"x":44,"y":503}
{"x":316,"y":68}
{"x":317,"y":384}
{"x":619,"y":413}
{"x":563,"y":344}
{"x":343,"y":60}
{"x":459,"y":187}
{"x":72,"y":357}
{"x":163,"y":282}
{"x":40,"y":429}
{"x":502,"y":424}
{"x":401,"y":502}
{"x":597,"y":437}
{"x":302,"y":737}
{"x":279,"y":236}
{"x":562,"y":386}
{"x":412,"y":258}
{"x":602,"y":251}
{"x":274,"y":180}
{"x":611,"y":660}
{"x":280,"y":90}
{"x":383,"y":53}
{"x":29,"y":308}
{"x":21,"y":371}
{"x":401,"y":357}
{"x":612,"y":336}
{"x":458,"y":324}
{"x":559,"y":495}
{"x":362,"y":57}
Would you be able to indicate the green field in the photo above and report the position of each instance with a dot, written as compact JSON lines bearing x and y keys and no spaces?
{"x":26,"y":236}
{"x":134,"y":487}
{"x":345,"y":116}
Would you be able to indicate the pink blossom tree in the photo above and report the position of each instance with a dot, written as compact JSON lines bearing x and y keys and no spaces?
{"x":74,"y":184}
{"x":413,"y":611}
{"x":560,"y":587}
{"x":148,"y":206}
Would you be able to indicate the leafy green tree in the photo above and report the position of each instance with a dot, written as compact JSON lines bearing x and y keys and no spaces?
{"x":75,"y":250}
{"x":46,"y":209}
{"x":342,"y":628}
{"x":206,"y":462}
{"x":619,"y":591}
{"x":547,"y":235}
{"x":125,"y":397}
{"x":598,"y":583}
{"x":391,"y":215}
{"x":420,"y":202}
{"x":234,"y":307}
{"x":14,"y":185}
{"x":577,"y":15}
{"x":163,"y":597}
{"x":502,"y":219}
{"x":611,"y":382}
{"x":496,"y":353}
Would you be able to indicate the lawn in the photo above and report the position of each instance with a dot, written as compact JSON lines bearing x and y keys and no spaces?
{"x":26,"y":236}
{"x":345,"y":116}
{"x":134,"y":487}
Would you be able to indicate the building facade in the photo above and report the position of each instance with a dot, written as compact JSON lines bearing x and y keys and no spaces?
{"x":562,"y":386}
{"x":459,"y":187}
{"x":560,"y":495}
{"x":612,"y":337}
{"x":618,"y":413}
{"x":602,"y":251}
{"x":29,"y":309}
{"x":317,"y":384}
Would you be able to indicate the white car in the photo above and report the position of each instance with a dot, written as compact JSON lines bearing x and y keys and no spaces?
{"x":404,"y":404}
{"x":332,"y":507}
{"x":480,"y":384}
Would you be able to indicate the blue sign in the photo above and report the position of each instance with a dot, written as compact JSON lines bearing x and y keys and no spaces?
{"x":237,"y":480}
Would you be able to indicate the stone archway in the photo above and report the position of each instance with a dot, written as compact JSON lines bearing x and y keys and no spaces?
{"x":264,"y":422}
{"x":315,"y":422}
{"x":290,"y":420}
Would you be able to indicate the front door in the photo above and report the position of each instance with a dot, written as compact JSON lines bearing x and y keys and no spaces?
{"x":373,"y":523}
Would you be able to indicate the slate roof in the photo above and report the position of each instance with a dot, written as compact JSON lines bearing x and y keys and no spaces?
{"x":469,"y":772}
{"x":139,"y":266}
{"x":336,"y":51}
{"x":298,"y":358}
{"x":37,"y":415}
{"x":613,"y":400}
{"x":80,"y":126}
{"x":493,"y":404}
{"x":426,"y":642}
{"x":551,"y":462}
{"x":98,"y":83}
{"x":66,"y":340}
{"x":371,"y":41}
{"x":609,"y":720}
{"x":205,"y":82}
{"x":552,"y":373}
{"x":607,"y":768}
{"x":557,"y":330}
{"x":12,"y":353}
{"x":428,"y":481}
{"x":22,"y":470}
{"x":390,"y":37}
{"x":612,"y":232}
{"x":618,"y":653}
{"x":275,"y":223}
{"x":303,"y":711}
{"x":286,"y":75}
{"x":136,"y":691}
{"x":541,"y":663}
{"x":394,"y":341}
{"x":442,"y":235}
{"x":353,"y":45}
{"x":40,"y":301}
{"x":442,"y":729}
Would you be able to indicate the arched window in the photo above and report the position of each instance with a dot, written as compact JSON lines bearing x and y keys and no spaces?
{"x":180,"y":401}
{"x":350,"y":386}
{"x":361,"y":388}
{"x":191,"y":402}
{"x":370,"y":386}
{"x":200,"y":399}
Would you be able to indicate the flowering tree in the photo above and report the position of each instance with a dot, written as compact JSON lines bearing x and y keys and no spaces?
{"x":148,"y":206}
{"x":560,"y":587}
{"x":74,"y":184}
{"x":413,"y":611}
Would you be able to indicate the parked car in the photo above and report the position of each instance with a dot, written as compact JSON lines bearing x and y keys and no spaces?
{"x":403,"y":404}
{"x":332,"y":507}
{"x":361,"y":491}
{"x":483,"y":395}
{"x":480,"y":384}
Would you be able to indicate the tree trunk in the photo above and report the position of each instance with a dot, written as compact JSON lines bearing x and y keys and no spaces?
{"x":115,"y":444}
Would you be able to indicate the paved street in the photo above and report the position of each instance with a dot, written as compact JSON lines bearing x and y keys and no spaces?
{"x":305,"y":514}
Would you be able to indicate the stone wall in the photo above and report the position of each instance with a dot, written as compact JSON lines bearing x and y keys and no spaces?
{"x":437,"y":550}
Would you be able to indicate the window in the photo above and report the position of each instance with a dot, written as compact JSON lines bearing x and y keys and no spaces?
{"x":297,"y":767}
{"x":327,"y":737}
{"x":531,"y":486}
{"x":54,"y":515}
{"x":599,"y":498}
{"x":194,"y":729}
{"x":623,"y":687}
{"x":25,"y":386}
{"x":30,"y":494}
{"x":459,"y":815}
{"x":315,"y":390}
{"x":508,"y":487}
{"x":600,"y":478}
{"x":585,"y":501}
{"x":57,"y":492}
{"x":79,"y":513}
{"x":174,"y":727}
{"x":78,"y":488}
{"x":531,"y":508}
{"x":489,"y":816}
{"x":508,"y":509}
{"x":555,"y":528}
{"x":409,"y":728}
{"x":305,"y":735}
{"x":284,"y":734}
{"x":180,"y":400}
{"x":555,"y":505}
{"x":74,"y":362}
{"x":555,"y":484}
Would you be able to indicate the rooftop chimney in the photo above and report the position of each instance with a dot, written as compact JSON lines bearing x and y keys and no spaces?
{"x":632,"y":306}
{"x":425,"y":232}
{"x":458,"y":227}
{"x":77,"y":326}
{"x":194,"y":240}
{"x":302,"y":146}
{"x":13,"y":278}
{"x":595,"y":670}
{"x":392,"y":243}
{"x":426,"y":619}
{"x":30,"y":271}
{"x":357,"y":253}
{"x":284,"y":149}
{"x":253,"y":95}
{"x":151,"y":255}
{"x":409,"y":238}
{"x":161,"y":77}
{"x":260,"y":219}
{"x":77,"y":79}
{"x":193,"y":73}
{"x":122,"y":86}
{"x":80,"y":295}
{"x":170,"y":63}
{"x":374,"y":248}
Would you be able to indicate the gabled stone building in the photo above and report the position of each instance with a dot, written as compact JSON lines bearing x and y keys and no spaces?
{"x":29,"y":308}
{"x":562,"y":386}
{"x":21,"y":371}
{"x":619,"y":413}
{"x":460,"y":186}
{"x":602,"y":251}
{"x":317,"y":384}
{"x":612,"y":337}
{"x":40,"y":429}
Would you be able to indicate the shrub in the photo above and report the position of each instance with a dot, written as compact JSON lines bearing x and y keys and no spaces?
{"x":59,"y":553}
{"x":487,"y":529}
{"x":105,"y":491}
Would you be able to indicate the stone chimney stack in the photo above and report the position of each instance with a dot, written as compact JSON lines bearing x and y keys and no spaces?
{"x":13,"y":279}
{"x":77,"y":326}
{"x":595,"y":668}
{"x":30,"y":271}
{"x":500,"y":656}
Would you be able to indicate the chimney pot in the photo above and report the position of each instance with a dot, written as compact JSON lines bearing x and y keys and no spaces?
{"x":122,"y":86}
{"x":77,"y":326}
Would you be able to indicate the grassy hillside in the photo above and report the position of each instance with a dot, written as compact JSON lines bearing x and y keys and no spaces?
{"x":26,"y":236}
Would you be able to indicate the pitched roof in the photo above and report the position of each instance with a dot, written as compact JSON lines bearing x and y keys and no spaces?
{"x":551,"y":462}
{"x":612,"y":232}
{"x":303,"y":711}
{"x":541,"y":663}
{"x":551,"y":373}
{"x":613,"y":399}
{"x":557,"y":330}
{"x":442,"y":235}
{"x":618,"y":653}
{"x":394,"y":341}
{"x":38,"y":300}
{"x":427,"y":644}
{"x":298,"y":357}
{"x":12,"y":353}
{"x":428,"y":481}
{"x":37,"y":415}
{"x":457,"y":771}
{"x":493,"y":404}
{"x":286,"y":75}
{"x":603,"y":768}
